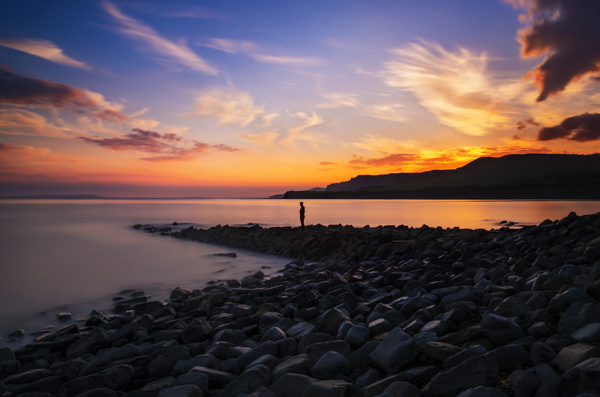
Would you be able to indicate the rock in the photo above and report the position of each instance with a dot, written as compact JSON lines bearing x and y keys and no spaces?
{"x":524,"y":383}
{"x":395,"y":351}
{"x":100,"y":392}
{"x":330,"y":365}
{"x":248,"y":382}
{"x":181,"y":391}
{"x":164,"y":363}
{"x":204,"y":360}
{"x":194,"y":378}
{"x":114,"y":378}
{"x":500,"y":330}
{"x":473,"y":351}
{"x":291,"y":385}
{"x":331,"y":320}
{"x":401,"y":389}
{"x":482,"y":391}
{"x":27,"y":376}
{"x":357,"y":335}
{"x":562,"y":301}
{"x":216,"y":379}
{"x":297,"y":364}
{"x":512,"y":306}
{"x":124,"y":352}
{"x":317,"y":350}
{"x":572,"y":355}
{"x":268,"y":347}
{"x":578,"y":315}
{"x":509,"y":357}
{"x":582,"y":378}
{"x":475,"y":371}
{"x":588,"y":333}
{"x":196,"y":331}
{"x":301,"y":329}
{"x":63,"y":316}
{"x":541,"y":353}
{"x":440,"y":351}
{"x":89,"y":343}
{"x":49,"y":384}
{"x":329,"y":388}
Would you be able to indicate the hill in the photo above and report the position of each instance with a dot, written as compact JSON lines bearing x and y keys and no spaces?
{"x":535,"y":176}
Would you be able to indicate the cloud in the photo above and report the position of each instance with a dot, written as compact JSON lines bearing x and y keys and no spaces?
{"x":568,"y":33}
{"x":524,"y":123}
{"x":258,"y":53}
{"x":581,"y":128}
{"x":31,"y":92}
{"x":162,"y":46}
{"x":163,"y":147}
{"x":426,"y":160}
{"x":227,"y":106}
{"x":13,"y":155}
{"x":266,"y":138}
{"x":303,"y":131}
{"x":455,"y":86}
{"x":25,"y":122}
{"x":43,"y":49}
{"x":382,"y":111}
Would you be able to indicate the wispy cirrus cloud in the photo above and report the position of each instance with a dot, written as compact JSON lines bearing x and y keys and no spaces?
{"x":382,"y":111}
{"x":581,"y":128}
{"x":455,"y":86}
{"x":163,"y":147}
{"x":568,"y":33}
{"x":258,"y":53}
{"x":266,"y":138}
{"x":43,"y":49}
{"x":303,"y":132}
{"x":178,"y":52}
{"x":25,"y":122}
{"x":25,"y":91}
{"x":229,"y":106}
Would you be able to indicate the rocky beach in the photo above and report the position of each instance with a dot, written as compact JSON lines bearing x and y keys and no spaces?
{"x":374,"y":311}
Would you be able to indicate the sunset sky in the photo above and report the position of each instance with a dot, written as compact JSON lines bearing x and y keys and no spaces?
{"x":252,"y":98}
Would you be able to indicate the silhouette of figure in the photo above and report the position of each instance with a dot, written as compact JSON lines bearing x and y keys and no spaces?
{"x":302,"y":212}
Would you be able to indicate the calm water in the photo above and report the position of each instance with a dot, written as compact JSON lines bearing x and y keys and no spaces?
{"x":75,"y":255}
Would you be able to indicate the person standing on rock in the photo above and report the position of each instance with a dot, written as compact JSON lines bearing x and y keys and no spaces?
{"x":302,"y":212}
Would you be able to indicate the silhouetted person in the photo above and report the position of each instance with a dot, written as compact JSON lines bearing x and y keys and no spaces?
{"x":302,"y":211}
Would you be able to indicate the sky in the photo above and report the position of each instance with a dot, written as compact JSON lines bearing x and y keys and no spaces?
{"x":146,"y":98}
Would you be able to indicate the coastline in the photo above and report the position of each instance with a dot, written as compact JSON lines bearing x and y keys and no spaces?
{"x":362,"y":311}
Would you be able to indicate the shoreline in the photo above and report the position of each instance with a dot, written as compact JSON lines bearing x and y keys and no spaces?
{"x":362,"y":311}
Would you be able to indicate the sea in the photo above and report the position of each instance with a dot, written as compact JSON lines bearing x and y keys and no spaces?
{"x":76,"y":255}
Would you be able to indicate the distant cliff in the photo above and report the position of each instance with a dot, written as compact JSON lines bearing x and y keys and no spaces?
{"x":551,"y":176}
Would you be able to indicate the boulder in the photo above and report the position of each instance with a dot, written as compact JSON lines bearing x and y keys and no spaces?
{"x":291,"y":385}
{"x":248,"y":382}
{"x":582,"y":378}
{"x":394,"y":352}
{"x":475,"y":371}
{"x":330,"y":365}
{"x":572,"y":355}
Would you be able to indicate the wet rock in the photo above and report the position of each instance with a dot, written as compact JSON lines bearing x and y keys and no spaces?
{"x":89,"y":343}
{"x":588,"y":333}
{"x":164,"y":363}
{"x":297,"y":364}
{"x":216,"y":379}
{"x":268,"y":347}
{"x":578,"y":315}
{"x":331,"y":321}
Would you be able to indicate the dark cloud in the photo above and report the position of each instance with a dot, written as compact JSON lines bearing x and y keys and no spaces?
{"x":524,"y":123}
{"x":26,"y":91}
{"x":164,"y":147}
{"x":568,"y":31}
{"x":582,"y":128}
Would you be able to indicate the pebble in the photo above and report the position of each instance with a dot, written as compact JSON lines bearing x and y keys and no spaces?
{"x":374,"y":311}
